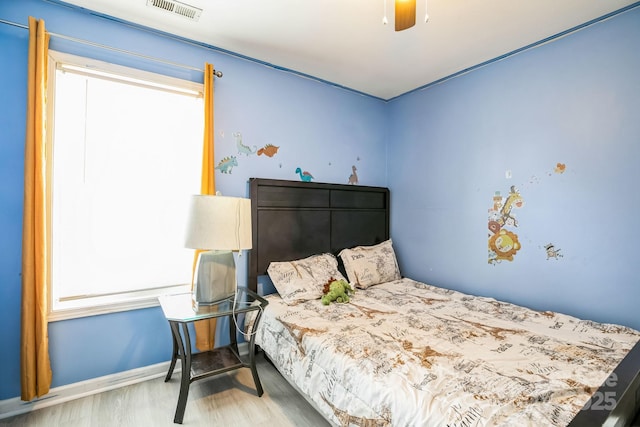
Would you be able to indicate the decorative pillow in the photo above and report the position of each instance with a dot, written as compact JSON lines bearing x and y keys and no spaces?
{"x":303,"y":280}
{"x":370,"y":265}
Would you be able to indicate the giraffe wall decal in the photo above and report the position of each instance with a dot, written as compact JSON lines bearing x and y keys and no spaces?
{"x":503,"y":243}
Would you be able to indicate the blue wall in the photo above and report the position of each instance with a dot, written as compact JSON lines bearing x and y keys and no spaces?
{"x":319,"y":127}
{"x":12,"y":117}
{"x":443,"y":151}
{"x":575,"y":101}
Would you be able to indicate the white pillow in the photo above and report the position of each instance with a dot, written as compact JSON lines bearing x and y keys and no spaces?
{"x":302,"y":280}
{"x":370,"y":265}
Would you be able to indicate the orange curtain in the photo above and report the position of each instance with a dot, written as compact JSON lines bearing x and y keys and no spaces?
{"x":35,"y":368}
{"x":206,"y":329}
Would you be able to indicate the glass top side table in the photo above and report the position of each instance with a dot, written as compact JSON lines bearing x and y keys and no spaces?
{"x":179,"y":311}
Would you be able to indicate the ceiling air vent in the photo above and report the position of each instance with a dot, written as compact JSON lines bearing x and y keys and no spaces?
{"x":177,"y":8}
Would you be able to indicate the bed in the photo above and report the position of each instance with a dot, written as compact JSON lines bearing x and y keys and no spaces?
{"x":404,"y":353}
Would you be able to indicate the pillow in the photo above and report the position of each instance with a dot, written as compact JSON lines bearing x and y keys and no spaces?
{"x":370,"y":265}
{"x":303,"y":280}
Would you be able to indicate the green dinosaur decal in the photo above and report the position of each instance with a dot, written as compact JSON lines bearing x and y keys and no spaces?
{"x":243,"y":149}
{"x":227,"y":164}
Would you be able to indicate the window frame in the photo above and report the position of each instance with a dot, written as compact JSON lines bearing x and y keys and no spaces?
{"x":119,"y":301}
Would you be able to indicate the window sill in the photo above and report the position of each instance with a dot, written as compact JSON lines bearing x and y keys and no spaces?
{"x":93,"y":306}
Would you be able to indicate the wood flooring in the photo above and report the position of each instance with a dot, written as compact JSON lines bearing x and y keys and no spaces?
{"x":225,"y":400}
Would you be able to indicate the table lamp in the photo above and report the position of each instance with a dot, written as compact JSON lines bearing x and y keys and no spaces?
{"x":218,"y":226}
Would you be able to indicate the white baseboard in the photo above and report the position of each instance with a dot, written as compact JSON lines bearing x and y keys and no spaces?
{"x":15,"y":406}
{"x":65,"y":393}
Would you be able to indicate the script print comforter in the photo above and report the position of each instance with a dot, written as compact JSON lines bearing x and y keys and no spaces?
{"x":408,"y":354}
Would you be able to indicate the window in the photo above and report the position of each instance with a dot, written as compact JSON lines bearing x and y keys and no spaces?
{"x":127,"y":149}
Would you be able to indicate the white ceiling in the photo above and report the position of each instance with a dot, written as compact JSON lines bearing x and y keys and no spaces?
{"x":344,"y":41}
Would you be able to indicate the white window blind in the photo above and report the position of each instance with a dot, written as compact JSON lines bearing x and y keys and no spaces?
{"x":127,"y":149}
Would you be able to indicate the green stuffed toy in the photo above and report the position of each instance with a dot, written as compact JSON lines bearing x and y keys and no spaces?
{"x":336,"y":290}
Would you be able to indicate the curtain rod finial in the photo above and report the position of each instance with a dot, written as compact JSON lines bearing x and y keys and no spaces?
{"x":217,"y":73}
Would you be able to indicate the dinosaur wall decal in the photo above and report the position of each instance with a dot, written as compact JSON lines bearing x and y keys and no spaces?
{"x":353,"y":178}
{"x":304,"y":176}
{"x":268,"y":150}
{"x":227,"y":164}
{"x":243,"y":149}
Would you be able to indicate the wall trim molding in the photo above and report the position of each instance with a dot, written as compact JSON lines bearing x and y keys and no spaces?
{"x":15,"y":406}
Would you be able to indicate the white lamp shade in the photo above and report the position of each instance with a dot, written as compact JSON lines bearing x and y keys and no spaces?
{"x":219,"y":223}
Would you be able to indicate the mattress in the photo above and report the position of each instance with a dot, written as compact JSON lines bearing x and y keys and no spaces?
{"x":405,"y":353}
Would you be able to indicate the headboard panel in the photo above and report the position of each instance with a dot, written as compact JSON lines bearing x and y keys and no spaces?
{"x":294,"y":219}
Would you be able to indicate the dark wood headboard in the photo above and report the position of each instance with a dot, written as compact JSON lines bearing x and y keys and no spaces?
{"x":295,"y":219}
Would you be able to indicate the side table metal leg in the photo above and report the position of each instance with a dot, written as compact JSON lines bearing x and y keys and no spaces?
{"x":185,"y":380}
{"x":252,"y":361}
{"x":174,"y":355}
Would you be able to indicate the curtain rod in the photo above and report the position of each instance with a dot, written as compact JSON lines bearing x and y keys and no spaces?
{"x":114,"y":49}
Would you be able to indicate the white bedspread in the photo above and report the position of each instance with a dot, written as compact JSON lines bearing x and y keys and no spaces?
{"x":409,"y":354}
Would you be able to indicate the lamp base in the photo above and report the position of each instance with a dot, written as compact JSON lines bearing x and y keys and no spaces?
{"x":215,"y":277}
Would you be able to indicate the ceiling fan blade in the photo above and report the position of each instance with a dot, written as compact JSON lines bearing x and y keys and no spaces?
{"x":405,"y":14}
